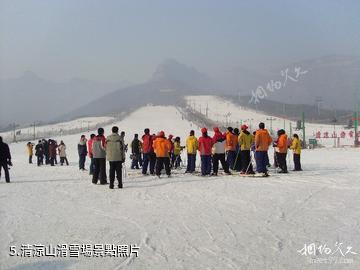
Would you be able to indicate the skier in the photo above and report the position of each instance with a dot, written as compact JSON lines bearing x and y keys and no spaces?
{"x":55,"y":157}
{"x":5,"y":159}
{"x":296,"y":147}
{"x":30,"y":148}
{"x":52,"y":151}
{"x":281,"y":150}
{"x":176,"y":156}
{"x":219,"y":141}
{"x":46,"y":151}
{"x":171,"y":152}
{"x":262,"y":142}
{"x":89,"y":145}
{"x":62,"y":154}
{"x":115,"y":154}
{"x":99,"y":156}
{"x":205,"y":145}
{"x":122,"y":135}
{"x":246,"y":139}
{"x":162,"y":148}
{"x":231,"y":143}
{"x":237,"y":162}
{"x":135,"y":152}
{"x":82,"y":151}
{"x":191,"y":147}
{"x":39,"y":153}
{"x":148,"y":152}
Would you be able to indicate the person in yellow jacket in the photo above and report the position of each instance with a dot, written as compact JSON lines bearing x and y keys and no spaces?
{"x":176,"y":158}
{"x":192,"y":146}
{"x":30,"y":148}
{"x":296,"y":147}
{"x":246,"y":139}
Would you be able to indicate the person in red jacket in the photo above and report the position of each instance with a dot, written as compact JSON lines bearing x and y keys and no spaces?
{"x":148,"y":152}
{"x":205,"y":145}
{"x":90,"y":153}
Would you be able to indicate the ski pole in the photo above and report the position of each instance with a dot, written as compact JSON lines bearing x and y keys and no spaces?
{"x":276,"y":161}
{"x":237,"y":156}
{"x":124,"y":171}
{"x":250,"y":162}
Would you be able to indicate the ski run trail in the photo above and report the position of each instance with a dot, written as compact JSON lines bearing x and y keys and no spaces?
{"x":186,"y":221}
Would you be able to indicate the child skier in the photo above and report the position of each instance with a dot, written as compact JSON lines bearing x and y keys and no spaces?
{"x":176,"y":158}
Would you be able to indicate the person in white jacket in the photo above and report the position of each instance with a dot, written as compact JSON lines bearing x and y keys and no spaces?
{"x":219,"y":141}
{"x":115,"y":154}
{"x":62,"y":154}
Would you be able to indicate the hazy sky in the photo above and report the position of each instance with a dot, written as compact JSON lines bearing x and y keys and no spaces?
{"x":126,"y":40}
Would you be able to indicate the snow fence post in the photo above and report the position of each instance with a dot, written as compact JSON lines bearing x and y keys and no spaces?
{"x":356,"y":123}
{"x":303,"y":129}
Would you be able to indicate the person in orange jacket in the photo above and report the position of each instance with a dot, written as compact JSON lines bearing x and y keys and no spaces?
{"x":281,"y":150}
{"x":262,"y":142}
{"x":162,"y":147}
{"x":230,"y":147}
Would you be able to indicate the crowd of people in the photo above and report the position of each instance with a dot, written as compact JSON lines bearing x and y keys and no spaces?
{"x":235,"y":149}
{"x":46,"y":152}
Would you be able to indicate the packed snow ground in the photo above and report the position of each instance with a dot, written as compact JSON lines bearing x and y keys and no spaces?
{"x":187,"y":221}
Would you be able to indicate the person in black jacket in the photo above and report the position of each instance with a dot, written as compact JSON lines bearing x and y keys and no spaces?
{"x":82,"y":150}
{"x":5,"y":159}
{"x":136,"y":152}
{"x":46,"y":151}
{"x":39,"y":153}
{"x":52,"y":145}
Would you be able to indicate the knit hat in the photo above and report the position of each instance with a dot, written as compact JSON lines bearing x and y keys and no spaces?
{"x":203,"y":130}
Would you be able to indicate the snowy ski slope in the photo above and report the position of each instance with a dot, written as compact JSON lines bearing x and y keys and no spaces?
{"x":225,"y":111}
{"x":187,"y":221}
